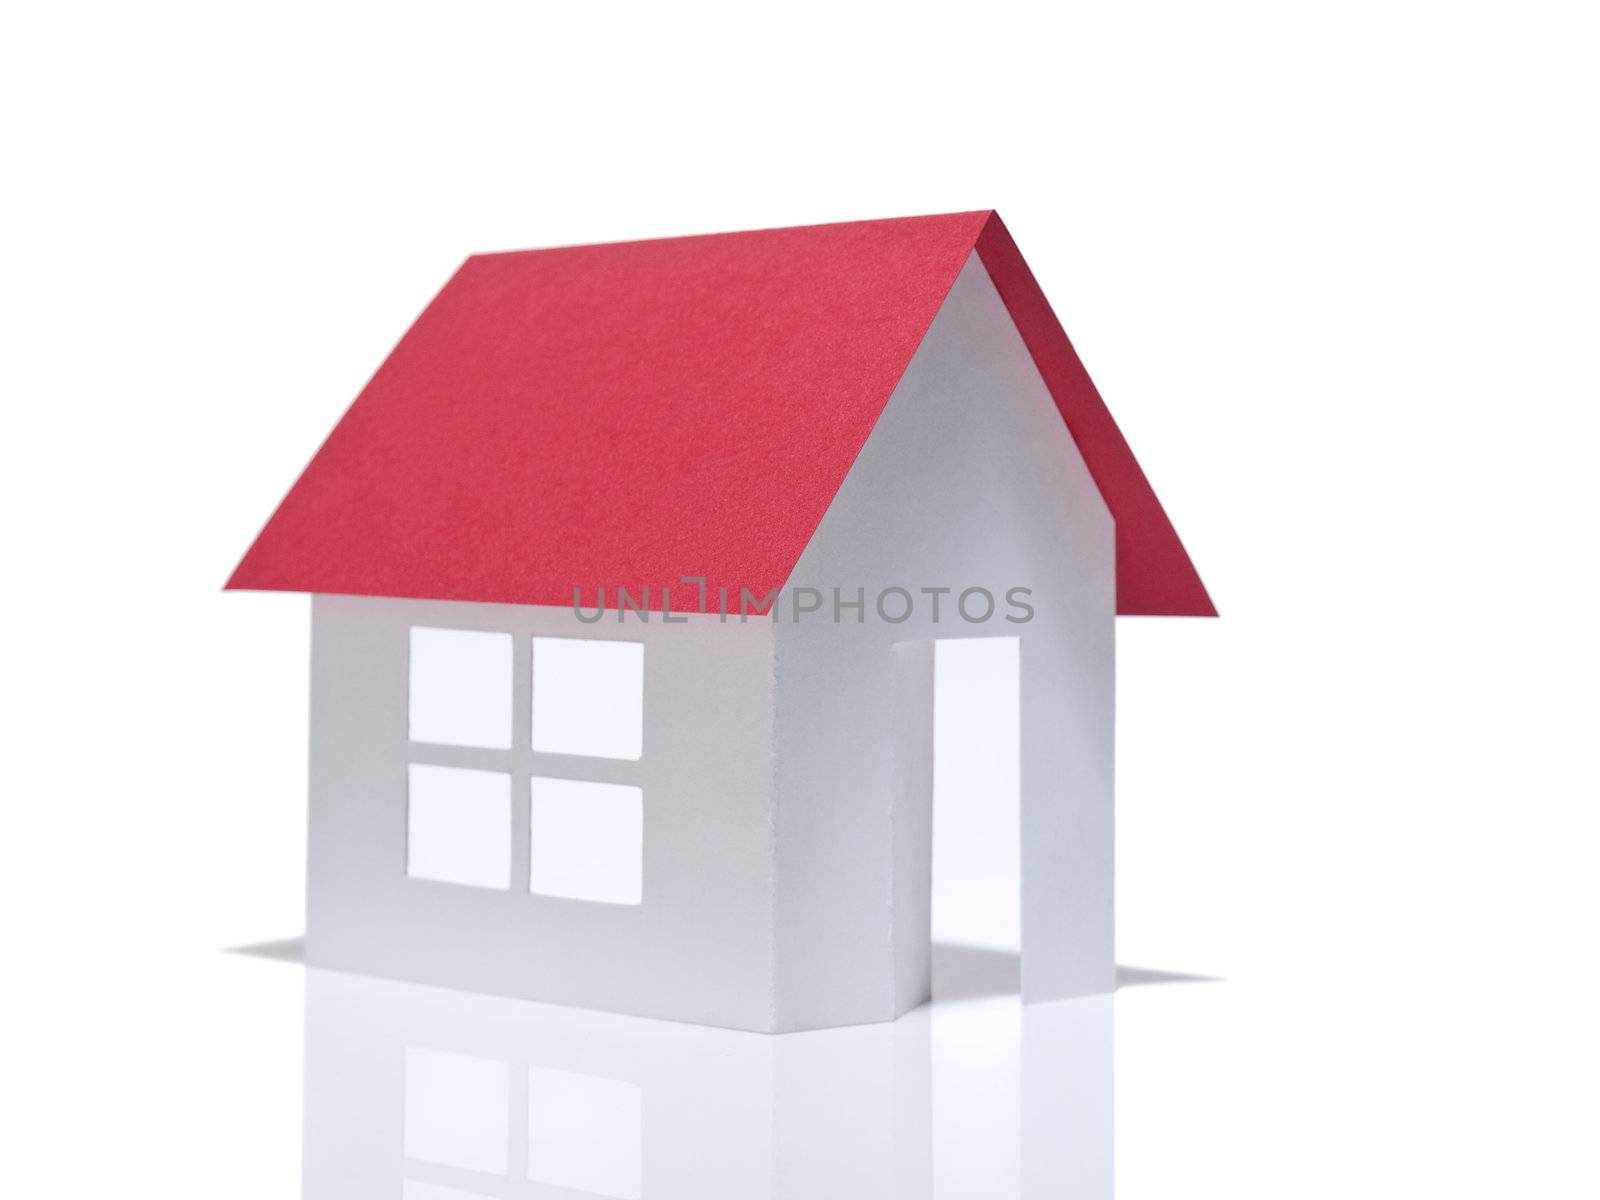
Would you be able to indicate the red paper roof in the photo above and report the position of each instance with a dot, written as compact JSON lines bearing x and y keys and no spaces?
{"x":629,"y":414}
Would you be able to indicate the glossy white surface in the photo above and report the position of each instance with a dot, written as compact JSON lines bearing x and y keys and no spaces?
{"x":974,"y":1095}
{"x":452,"y":1107}
{"x":585,"y":1132}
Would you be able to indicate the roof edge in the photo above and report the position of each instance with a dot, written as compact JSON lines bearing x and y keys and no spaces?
{"x":986,"y":213}
{"x":1155,"y":575}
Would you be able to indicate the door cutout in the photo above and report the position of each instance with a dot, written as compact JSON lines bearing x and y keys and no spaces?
{"x":977,"y":790}
{"x":957,"y":894}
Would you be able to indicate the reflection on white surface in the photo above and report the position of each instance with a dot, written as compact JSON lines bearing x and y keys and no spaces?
{"x":412,"y":1190}
{"x":585,"y":1132}
{"x":456,"y":1107}
{"x":426,"y":1094}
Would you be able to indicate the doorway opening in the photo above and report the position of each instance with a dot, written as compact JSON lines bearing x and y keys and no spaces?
{"x":971,"y":783}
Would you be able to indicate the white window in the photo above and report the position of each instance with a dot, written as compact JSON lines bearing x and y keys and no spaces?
{"x":585,"y":1133}
{"x":588,"y":697}
{"x":458,"y":827}
{"x":461,"y":687}
{"x":586,"y":840}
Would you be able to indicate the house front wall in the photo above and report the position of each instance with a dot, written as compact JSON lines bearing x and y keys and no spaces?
{"x":698,"y":945}
{"x":969,"y":480}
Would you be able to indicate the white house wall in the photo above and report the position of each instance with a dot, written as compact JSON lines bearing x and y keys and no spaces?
{"x":699,"y":946}
{"x":970,"y":479}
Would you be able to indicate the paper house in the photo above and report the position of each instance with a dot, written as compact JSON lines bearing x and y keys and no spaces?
{"x":627,"y":569}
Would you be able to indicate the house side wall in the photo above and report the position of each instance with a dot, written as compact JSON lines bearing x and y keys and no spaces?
{"x":698,"y":948}
{"x":970,"y":479}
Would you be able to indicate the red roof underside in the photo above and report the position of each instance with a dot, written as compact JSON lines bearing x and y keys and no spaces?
{"x":625,"y":415}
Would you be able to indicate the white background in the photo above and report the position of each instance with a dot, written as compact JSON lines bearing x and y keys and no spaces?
{"x":1333,"y":268}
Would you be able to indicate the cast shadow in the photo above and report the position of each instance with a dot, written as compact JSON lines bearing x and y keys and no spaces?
{"x":959,"y":972}
{"x":289,"y":949}
{"x":971,"y":972}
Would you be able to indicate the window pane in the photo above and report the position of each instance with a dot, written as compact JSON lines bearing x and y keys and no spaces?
{"x":588,"y":697}
{"x":459,"y":826}
{"x":586,"y":840}
{"x":461,"y":687}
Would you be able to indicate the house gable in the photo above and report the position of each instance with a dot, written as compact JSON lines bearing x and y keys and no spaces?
{"x":969,"y":481}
